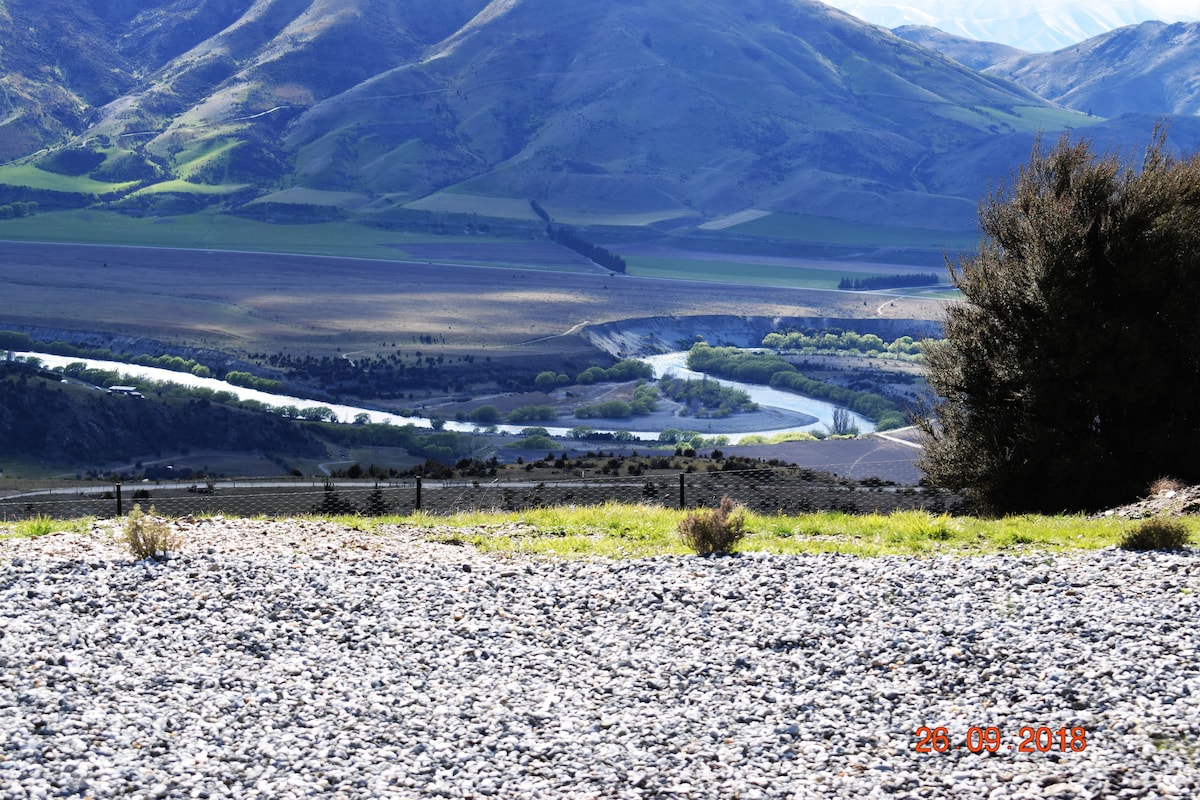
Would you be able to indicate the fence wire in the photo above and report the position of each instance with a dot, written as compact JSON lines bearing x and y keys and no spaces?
{"x":765,"y":491}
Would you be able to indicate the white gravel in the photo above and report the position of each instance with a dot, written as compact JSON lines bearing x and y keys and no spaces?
{"x":301,"y":659}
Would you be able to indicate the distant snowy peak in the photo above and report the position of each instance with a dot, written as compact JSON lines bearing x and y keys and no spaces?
{"x":1036,"y":26}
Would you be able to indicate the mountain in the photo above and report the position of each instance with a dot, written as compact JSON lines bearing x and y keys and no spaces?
{"x":971,"y":52}
{"x":1152,"y":68}
{"x":662,"y":110}
{"x":1038,"y":26}
{"x":670,"y":107}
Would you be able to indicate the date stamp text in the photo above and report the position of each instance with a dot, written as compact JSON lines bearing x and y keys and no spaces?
{"x":990,"y":740}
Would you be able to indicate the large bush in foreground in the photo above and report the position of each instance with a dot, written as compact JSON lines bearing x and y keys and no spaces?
{"x":1069,"y":374}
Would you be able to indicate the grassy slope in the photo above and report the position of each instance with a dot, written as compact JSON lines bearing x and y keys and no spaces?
{"x":34,"y":178}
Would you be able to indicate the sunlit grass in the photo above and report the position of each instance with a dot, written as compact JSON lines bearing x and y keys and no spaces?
{"x":42,"y":525}
{"x":638,"y":531}
{"x":606,"y":531}
{"x":27,"y":175}
{"x":181,"y":186}
{"x":622,"y":531}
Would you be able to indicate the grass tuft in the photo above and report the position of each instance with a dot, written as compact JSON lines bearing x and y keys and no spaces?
{"x":149,"y":536}
{"x":43,"y":525}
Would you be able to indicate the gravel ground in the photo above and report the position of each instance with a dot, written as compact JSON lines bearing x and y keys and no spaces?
{"x":298,"y":659}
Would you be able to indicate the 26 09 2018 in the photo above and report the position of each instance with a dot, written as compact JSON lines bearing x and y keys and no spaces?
{"x":990,"y":739}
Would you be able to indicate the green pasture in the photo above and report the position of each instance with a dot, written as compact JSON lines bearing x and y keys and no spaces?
{"x":30,"y":176}
{"x":451,"y":202}
{"x":208,"y":229}
{"x":457,"y":202}
{"x":823,"y":230}
{"x":1045,"y":118}
{"x":733,"y":271}
{"x":202,"y":154}
{"x":298,"y":195}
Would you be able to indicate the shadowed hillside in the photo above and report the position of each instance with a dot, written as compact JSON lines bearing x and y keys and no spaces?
{"x":70,"y":425}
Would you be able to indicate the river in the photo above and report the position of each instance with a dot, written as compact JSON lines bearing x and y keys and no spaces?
{"x":669,"y":363}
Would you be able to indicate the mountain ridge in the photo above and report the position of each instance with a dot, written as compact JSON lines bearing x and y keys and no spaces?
{"x":1034,"y":26}
{"x":662,"y":111}
{"x":1148,"y":68}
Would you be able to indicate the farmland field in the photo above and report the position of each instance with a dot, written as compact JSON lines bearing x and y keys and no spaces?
{"x":532,"y":254}
{"x":829,"y":231}
{"x":243,"y":302}
{"x":207,"y":230}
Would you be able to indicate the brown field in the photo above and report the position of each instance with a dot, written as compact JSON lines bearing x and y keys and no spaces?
{"x":241,"y":302}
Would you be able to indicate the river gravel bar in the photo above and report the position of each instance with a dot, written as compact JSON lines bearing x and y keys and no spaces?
{"x":294,"y":658}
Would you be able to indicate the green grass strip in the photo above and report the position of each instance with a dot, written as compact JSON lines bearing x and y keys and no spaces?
{"x":622,"y":531}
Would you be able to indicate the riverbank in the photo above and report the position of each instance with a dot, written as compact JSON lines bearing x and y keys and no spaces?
{"x":775,"y":417}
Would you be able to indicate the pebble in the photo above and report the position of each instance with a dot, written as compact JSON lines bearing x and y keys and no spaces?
{"x":298,"y":658}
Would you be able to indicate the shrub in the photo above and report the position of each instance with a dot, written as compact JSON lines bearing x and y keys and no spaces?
{"x":714,"y":530}
{"x":1156,"y":533}
{"x":1067,"y":380}
{"x":148,"y":536}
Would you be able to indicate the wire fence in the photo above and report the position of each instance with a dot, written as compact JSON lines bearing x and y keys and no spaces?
{"x":765,"y":491}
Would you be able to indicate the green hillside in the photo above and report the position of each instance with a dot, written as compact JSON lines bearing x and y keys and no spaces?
{"x":637,"y":114}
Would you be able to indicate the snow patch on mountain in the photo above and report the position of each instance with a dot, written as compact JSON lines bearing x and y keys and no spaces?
{"x":1032,"y":25}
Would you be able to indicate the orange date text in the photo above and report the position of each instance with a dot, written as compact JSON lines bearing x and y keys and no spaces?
{"x":990,"y":740}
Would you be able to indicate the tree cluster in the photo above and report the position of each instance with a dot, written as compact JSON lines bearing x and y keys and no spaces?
{"x":593,"y":252}
{"x":10,"y":210}
{"x":705,"y":398}
{"x":645,"y":401}
{"x":752,"y":366}
{"x":67,"y":425}
{"x":541,"y":212}
{"x":1069,"y":374}
{"x":875,"y":282}
{"x":629,"y":369}
{"x":841,"y":342}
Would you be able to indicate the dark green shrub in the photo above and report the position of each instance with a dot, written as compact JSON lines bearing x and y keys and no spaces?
{"x":1156,"y":533}
{"x":1067,"y":377}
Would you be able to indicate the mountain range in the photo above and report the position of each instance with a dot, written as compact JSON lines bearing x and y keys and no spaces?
{"x":598,"y":111}
{"x":1036,"y":26}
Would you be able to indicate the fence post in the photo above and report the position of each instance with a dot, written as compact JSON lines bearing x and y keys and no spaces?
{"x":682,"y":495}
{"x":120,"y":511}
{"x":417,"y":504}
